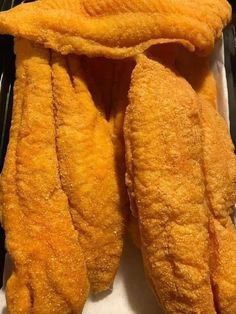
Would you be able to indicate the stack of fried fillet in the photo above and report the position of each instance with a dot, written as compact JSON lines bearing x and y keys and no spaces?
{"x":78,"y":116}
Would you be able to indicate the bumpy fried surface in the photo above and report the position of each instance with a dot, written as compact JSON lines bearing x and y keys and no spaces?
{"x":49,"y":274}
{"x":219,"y":163}
{"x":224,"y":265}
{"x":89,"y":175}
{"x":220,"y":176}
{"x":196,"y":70}
{"x":165,"y":179}
{"x":120,"y":88}
{"x":117,"y":28}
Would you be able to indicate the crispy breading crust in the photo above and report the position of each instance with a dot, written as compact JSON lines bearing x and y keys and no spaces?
{"x":148,"y":185}
{"x":118,"y":28}
{"x":165,"y":178}
{"x":220,"y":178}
{"x":89,"y":174}
{"x":49,"y":273}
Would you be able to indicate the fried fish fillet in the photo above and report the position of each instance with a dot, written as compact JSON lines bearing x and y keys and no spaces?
{"x":108,"y":81}
{"x":219,"y":164}
{"x":49,"y":273}
{"x":220,"y":177}
{"x":196,"y":70}
{"x":165,"y":180}
{"x":117,"y":28}
{"x":89,"y":175}
{"x":120,"y":89}
{"x":224,"y":265}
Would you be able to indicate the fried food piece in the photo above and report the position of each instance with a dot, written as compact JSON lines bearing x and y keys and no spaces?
{"x":88,"y":172}
{"x":165,"y":180}
{"x":117,"y":28}
{"x":165,"y":54}
{"x":120,"y":89}
{"x":224,"y":265}
{"x":108,"y":81}
{"x":196,"y":70}
{"x":49,"y":273}
{"x":220,"y":176}
{"x":219,"y":163}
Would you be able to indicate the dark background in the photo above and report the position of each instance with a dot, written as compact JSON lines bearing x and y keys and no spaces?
{"x":233,"y":3}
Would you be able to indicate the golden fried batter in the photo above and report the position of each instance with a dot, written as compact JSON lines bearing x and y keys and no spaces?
{"x":108,"y":82}
{"x":121,"y":84}
{"x":117,"y":28}
{"x":219,"y":163}
{"x":220,"y":176}
{"x":88,"y":172}
{"x":49,"y":274}
{"x":224,"y":265}
{"x":120,"y":89}
{"x":165,"y":180}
